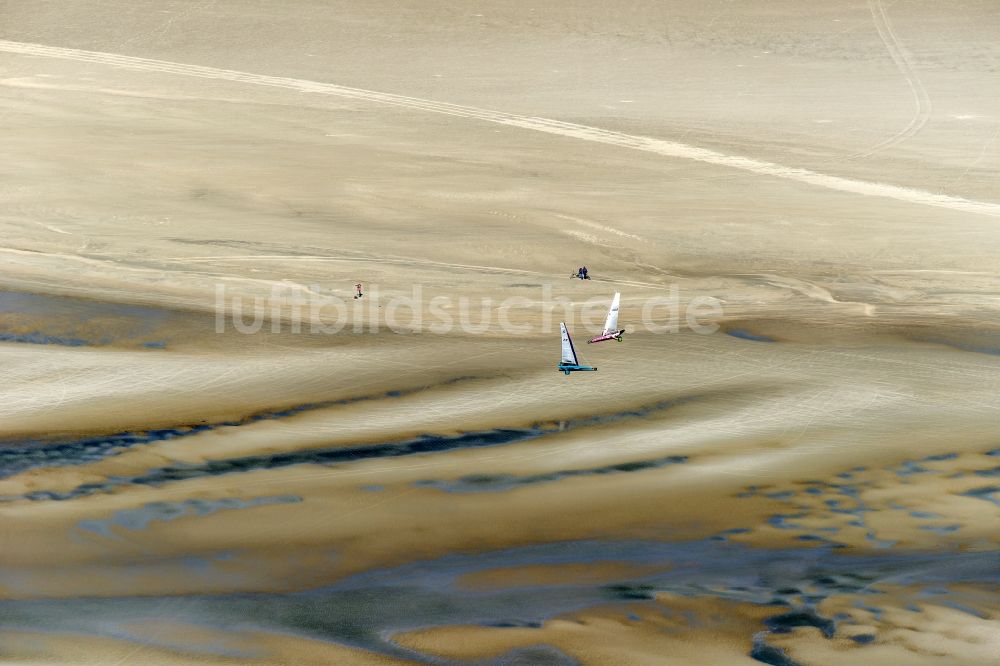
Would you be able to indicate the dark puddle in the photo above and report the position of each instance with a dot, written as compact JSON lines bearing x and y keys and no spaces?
{"x":725,"y":534}
{"x":500,"y":482}
{"x":908,"y":468}
{"x":847,"y":501}
{"x":425,"y":444}
{"x":926,"y":515}
{"x":536,"y":655}
{"x":747,"y":335}
{"x":36,"y":338}
{"x":783,"y":521}
{"x":988,"y":493}
{"x":366,"y":609}
{"x":940,"y":529}
{"x":786,"y":622}
{"x":41,"y":319}
{"x":331,"y":456}
{"x":141,"y":517}
{"x":16,"y":457}
{"x":768,"y":654}
{"x":977,"y":344}
{"x":881,"y":544}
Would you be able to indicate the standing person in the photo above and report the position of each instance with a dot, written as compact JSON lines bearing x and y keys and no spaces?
{"x":584,"y":271}
{"x":358,"y":287}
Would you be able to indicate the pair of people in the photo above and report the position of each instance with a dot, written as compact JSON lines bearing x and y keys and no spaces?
{"x":582,"y":273}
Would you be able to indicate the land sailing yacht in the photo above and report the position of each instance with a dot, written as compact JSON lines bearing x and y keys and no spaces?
{"x":611,"y":330}
{"x":569,"y":362}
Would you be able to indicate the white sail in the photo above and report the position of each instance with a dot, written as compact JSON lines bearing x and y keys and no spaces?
{"x":611,"y":323}
{"x":568,"y":353}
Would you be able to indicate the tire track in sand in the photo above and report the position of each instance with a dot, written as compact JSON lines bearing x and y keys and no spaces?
{"x":902,"y":60}
{"x":549,"y":126}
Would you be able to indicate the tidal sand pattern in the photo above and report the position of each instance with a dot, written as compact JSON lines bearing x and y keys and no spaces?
{"x":196,"y":468}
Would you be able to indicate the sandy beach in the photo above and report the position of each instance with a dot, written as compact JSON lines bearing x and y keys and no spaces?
{"x":211,"y":452}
